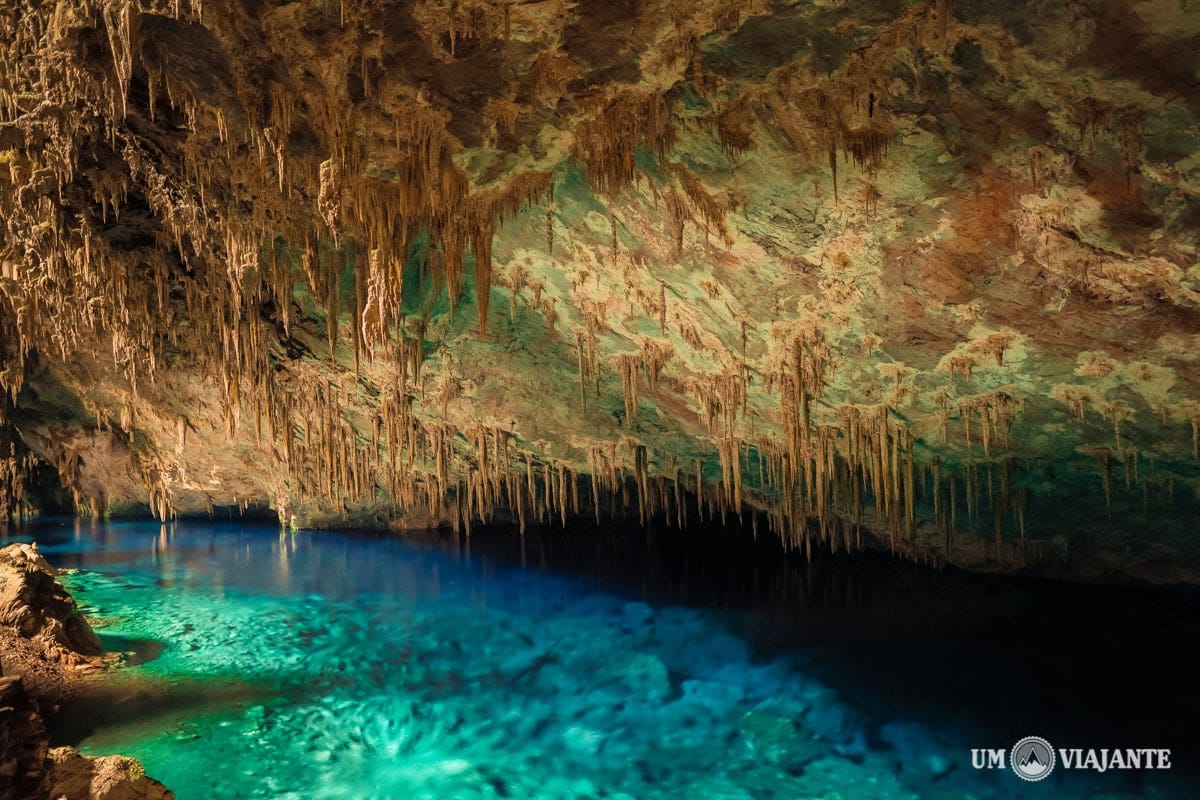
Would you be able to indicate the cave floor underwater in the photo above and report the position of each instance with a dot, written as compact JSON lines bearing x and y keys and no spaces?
{"x":341,"y":665}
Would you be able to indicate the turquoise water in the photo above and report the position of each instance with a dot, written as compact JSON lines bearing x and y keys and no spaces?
{"x":340,"y":666}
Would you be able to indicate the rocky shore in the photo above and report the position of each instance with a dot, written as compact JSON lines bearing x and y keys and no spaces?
{"x":51,"y":654}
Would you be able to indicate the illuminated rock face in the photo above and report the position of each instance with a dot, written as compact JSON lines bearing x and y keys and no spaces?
{"x":922,"y":273}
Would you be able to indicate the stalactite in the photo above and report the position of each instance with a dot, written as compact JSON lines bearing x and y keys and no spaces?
{"x":606,"y":143}
{"x":966,"y":419}
{"x":662,"y":307}
{"x":253,"y":202}
{"x":1131,"y":121}
{"x":329,"y":201}
{"x":833,"y":167}
{"x":909,"y":495}
{"x":1191,"y":411}
{"x":481,"y":245}
{"x":944,"y":11}
{"x":711,"y":210}
{"x":120,"y":23}
{"x":1104,"y":458}
{"x":734,"y":128}
{"x":627,"y":367}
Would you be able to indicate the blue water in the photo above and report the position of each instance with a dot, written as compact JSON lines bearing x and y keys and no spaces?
{"x":341,"y":666}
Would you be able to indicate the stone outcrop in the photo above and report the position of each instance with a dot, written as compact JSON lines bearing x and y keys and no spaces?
{"x":31,"y":770}
{"x":45,"y":638}
{"x":73,"y":776}
{"x":37,"y":607}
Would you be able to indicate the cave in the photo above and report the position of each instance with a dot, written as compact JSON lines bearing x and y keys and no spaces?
{"x":641,"y":399}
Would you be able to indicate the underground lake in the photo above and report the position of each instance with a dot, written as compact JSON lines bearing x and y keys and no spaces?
{"x":606,"y":664}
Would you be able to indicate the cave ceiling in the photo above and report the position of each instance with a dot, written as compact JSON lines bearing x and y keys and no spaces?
{"x":926,"y":269}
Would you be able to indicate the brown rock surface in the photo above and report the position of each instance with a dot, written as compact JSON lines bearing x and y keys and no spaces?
{"x":75,"y":777}
{"x":49,"y":648}
{"x":24,"y":743}
{"x":31,"y":770}
{"x":37,"y":607}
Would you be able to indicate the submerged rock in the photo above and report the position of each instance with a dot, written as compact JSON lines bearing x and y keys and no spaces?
{"x":837,"y":777}
{"x":780,"y":741}
{"x":583,"y":740}
{"x":643,"y":673}
{"x":916,"y":750}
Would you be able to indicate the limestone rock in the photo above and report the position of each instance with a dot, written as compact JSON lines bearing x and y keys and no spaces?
{"x":45,"y":635}
{"x":30,"y":770}
{"x":36,"y":605}
{"x":76,"y":777}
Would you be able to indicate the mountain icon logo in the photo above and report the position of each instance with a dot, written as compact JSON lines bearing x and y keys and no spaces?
{"x":1032,"y":758}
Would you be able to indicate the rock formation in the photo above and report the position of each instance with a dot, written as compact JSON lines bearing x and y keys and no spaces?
{"x":45,"y":643}
{"x":24,"y":743}
{"x":37,"y":607}
{"x":914,"y":272}
{"x":45,"y":638}
{"x":31,"y":770}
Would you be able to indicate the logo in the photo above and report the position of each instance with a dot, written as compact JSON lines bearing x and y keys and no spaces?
{"x":1032,"y":758}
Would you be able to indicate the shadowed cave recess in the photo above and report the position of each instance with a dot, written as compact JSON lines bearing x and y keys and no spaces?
{"x":911,"y":275}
